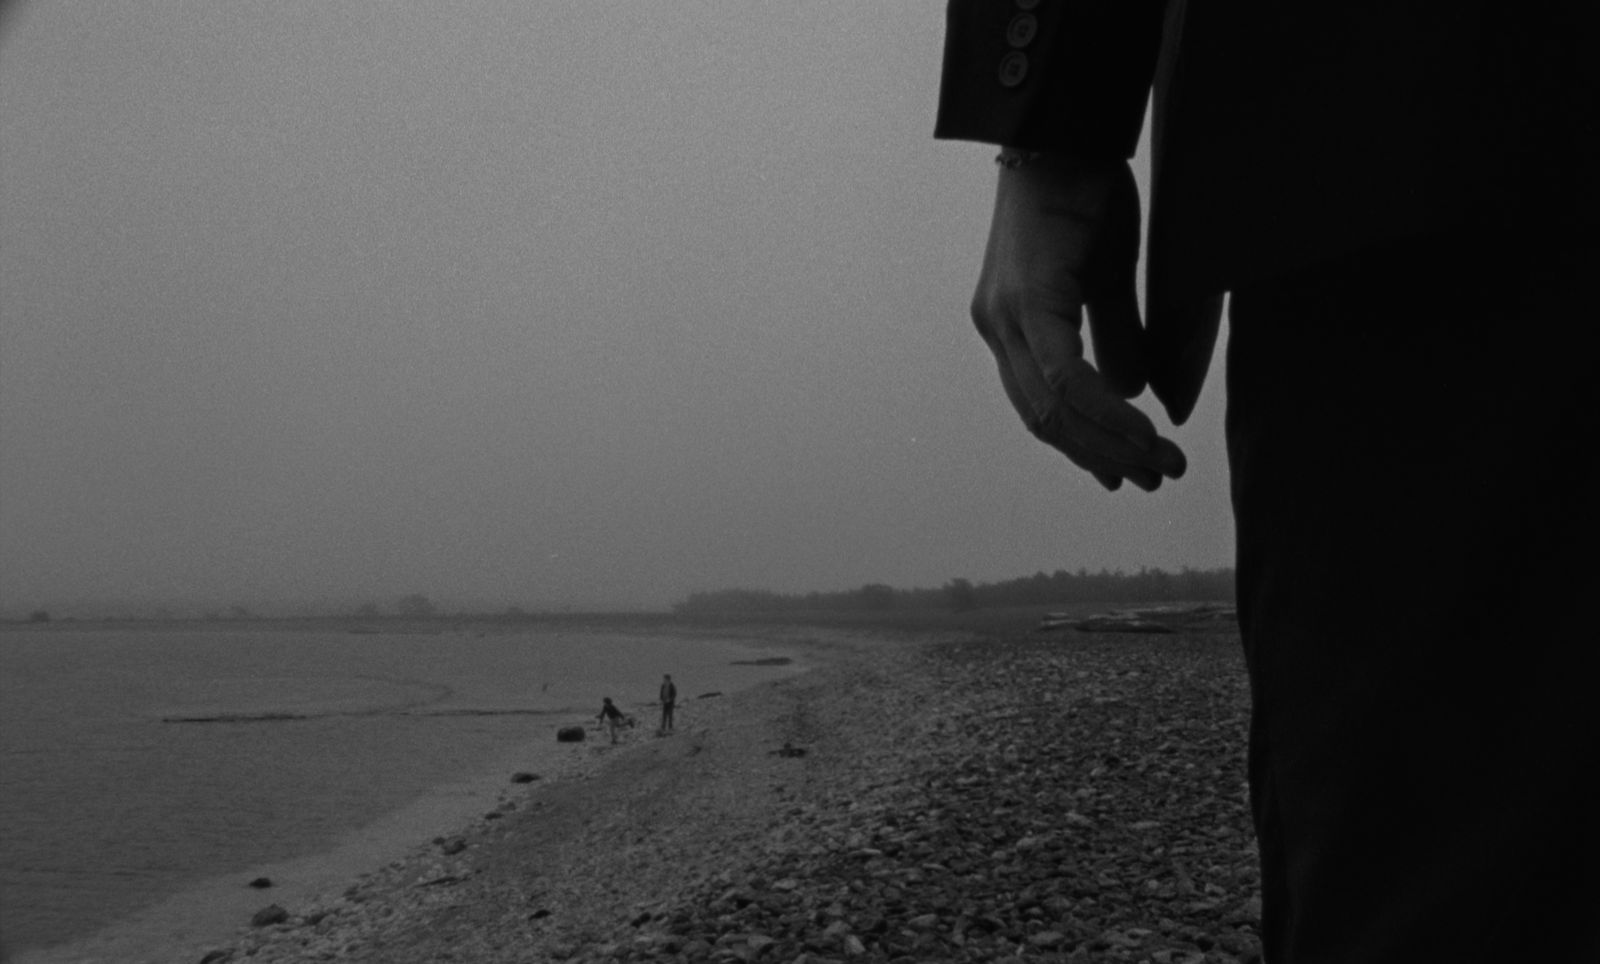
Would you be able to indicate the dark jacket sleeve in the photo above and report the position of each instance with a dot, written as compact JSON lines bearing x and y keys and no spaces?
{"x":1066,"y":74}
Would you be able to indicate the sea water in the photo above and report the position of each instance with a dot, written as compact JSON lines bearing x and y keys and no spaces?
{"x":136,"y":763}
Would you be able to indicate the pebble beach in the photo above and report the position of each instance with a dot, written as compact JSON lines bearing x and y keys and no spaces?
{"x":917,"y":796}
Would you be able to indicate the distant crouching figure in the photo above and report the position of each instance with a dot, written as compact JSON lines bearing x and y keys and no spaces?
{"x":611,"y":717}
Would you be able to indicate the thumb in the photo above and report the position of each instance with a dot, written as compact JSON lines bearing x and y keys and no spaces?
{"x":1118,"y":341}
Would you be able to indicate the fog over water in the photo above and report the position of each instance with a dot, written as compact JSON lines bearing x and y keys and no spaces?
{"x":512,"y":303}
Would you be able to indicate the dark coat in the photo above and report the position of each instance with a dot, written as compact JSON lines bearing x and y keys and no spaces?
{"x":1286,"y":135}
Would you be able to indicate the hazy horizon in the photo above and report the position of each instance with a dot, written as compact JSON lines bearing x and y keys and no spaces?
{"x":356,"y":606}
{"x":555,"y":306}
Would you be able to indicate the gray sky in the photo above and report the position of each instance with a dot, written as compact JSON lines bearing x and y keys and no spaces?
{"x":515,"y":302}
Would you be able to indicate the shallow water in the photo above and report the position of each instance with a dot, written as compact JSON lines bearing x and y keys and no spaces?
{"x":138,"y":764}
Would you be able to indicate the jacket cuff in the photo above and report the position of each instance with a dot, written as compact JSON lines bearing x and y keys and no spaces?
{"x":1050,"y":75}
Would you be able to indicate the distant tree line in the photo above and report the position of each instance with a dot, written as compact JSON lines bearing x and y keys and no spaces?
{"x":415,"y":606}
{"x":1057,"y":588}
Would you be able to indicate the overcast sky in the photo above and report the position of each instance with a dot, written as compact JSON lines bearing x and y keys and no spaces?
{"x":515,"y":302}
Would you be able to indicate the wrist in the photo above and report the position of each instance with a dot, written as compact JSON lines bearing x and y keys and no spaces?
{"x":1012,"y":158}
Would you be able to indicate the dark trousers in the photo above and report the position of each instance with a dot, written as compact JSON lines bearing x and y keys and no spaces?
{"x":1411,"y":440}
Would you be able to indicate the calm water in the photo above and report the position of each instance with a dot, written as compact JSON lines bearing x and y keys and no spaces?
{"x":108,"y":804}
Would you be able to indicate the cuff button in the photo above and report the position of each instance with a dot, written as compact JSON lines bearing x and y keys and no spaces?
{"x":1013,"y":68}
{"x":1022,"y":29}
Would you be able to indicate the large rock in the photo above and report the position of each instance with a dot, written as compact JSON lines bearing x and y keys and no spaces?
{"x":1120,"y":623}
{"x":1203,"y":617}
{"x":269,"y":915}
{"x":452,"y":846}
{"x":570,"y":734}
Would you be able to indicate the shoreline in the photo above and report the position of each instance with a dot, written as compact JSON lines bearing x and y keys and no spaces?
{"x":213,"y":911}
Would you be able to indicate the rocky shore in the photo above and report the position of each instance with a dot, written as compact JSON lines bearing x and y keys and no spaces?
{"x":1062,"y":797}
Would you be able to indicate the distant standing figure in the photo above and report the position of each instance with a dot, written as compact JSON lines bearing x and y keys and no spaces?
{"x":669,"y":699}
{"x":611,"y":717}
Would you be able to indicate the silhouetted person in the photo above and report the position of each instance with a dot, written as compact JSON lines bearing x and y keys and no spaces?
{"x":611,"y":717}
{"x":669,"y":699}
{"x":1401,"y":200}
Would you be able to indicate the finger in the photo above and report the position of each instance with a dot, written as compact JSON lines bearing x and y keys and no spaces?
{"x":1077,"y":413}
{"x":1052,"y":347}
{"x":1055,"y":350}
{"x":1112,"y":292}
{"x":1086,"y":396}
{"x":1172,"y":458}
{"x":1088,"y":412}
{"x":1037,"y":427}
{"x":1075,"y":429}
{"x":1081,"y":440}
{"x":1111,"y":482}
{"x":1060,"y":433}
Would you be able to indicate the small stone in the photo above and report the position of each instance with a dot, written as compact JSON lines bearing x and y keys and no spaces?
{"x":261,"y":883}
{"x":524,"y":777}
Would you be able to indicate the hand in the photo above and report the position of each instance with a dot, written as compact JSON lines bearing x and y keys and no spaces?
{"x":1065,"y":239}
